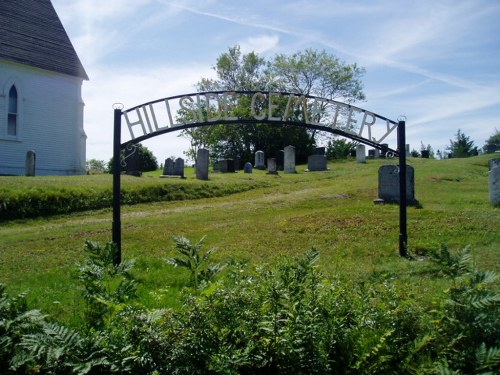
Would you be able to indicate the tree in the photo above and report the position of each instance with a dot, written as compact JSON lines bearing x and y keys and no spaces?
{"x":309,"y":73}
{"x":462,"y":146}
{"x":96,"y":166}
{"x":492,"y":143}
{"x":147,"y":161}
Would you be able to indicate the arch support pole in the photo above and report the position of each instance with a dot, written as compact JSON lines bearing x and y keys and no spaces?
{"x":117,"y":225}
{"x":403,"y":234}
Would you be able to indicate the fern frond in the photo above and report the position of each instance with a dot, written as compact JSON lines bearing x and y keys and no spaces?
{"x":488,"y":359}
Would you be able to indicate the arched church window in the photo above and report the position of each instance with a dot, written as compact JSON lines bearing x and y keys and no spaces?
{"x":12,"y":113}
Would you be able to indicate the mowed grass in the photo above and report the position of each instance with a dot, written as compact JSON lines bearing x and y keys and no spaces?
{"x":280,"y":215}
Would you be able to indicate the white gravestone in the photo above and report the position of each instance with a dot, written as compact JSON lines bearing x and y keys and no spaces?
{"x":289,"y":160}
{"x":495,"y":186}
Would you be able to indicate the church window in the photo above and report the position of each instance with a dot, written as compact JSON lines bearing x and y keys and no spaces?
{"x":12,"y":114}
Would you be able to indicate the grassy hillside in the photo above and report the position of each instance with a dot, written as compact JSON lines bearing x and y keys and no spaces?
{"x":270,"y":215}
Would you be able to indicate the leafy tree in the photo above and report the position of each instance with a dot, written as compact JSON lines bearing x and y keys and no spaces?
{"x":492,"y":143}
{"x":147,"y":161}
{"x":307,"y":72}
{"x":339,"y":148}
{"x":94,"y":165}
{"x":462,"y":146}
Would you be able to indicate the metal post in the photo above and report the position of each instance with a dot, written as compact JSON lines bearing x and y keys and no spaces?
{"x":117,"y":226}
{"x":403,"y":235}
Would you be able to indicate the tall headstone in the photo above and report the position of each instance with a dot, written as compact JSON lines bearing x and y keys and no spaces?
{"x":280,"y":160}
{"x":495,"y":186}
{"x":236,"y":163}
{"x":201,"y":165}
{"x":179,"y":167}
{"x":407,"y":149}
{"x":248,"y":168}
{"x":259,"y":160}
{"x":168,"y":168}
{"x":271,"y":166}
{"x":493,"y":163}
{"x":388,"y":184}
{"x":30,"y":165}
{"x":361,"y":154}
{"x":289,"y":160}
{"x":316,"y":163}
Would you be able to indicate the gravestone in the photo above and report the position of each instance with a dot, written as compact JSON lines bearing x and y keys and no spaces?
{"x":132,"y":162}
{"x":201,"y":165}
{"x":168,"y":168}
{"x":179,"y":167}
{"x":289,"y":160}
{"x":495,"y":186}
{"x":388,"y":184}
{"x":371,"y":154}
{"x":248,"y":168}
{"x":30,"y":164}
{"x":376,"y":153}
{"x":407,"y":149}
{"x":316,"y":163}
{"x":319,"y":151}
{"x":425,"y":154}
{"x":280,"y":160}
{"x":361,"y":154}
{"x":383,"y":151}
{"x":493,"y":163}
{"x":236,"y":163}
{"x":259,"y":160}
{"x":271,"y":166}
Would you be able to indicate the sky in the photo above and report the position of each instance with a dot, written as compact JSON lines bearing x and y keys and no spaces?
{"x":435,"y":62}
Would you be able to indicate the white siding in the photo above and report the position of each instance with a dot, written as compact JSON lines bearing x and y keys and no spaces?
{"x":50,"y":121}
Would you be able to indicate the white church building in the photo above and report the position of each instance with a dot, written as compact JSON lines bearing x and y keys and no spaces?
{"x":41,"y":106}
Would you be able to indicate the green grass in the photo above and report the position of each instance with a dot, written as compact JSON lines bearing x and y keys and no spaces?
{"x":270,"y":215}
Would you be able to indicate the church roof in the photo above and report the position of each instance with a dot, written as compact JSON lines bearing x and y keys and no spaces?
{"x":31,"y":33}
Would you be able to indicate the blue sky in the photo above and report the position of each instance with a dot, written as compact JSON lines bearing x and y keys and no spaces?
{"x":437,"y":62}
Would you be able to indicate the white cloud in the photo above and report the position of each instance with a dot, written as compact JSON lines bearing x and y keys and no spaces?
{"x":259,"y":44}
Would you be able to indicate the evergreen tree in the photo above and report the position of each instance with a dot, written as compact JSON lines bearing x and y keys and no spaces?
{"x":462,"y":146}
{"x":492,"y":143}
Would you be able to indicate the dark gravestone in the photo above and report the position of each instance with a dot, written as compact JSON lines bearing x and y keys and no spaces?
{"x":319,"y":151}
{"x":425,"y":154}
{"x":280,"y":160}
{"x":168,"y":168}
{"x":316,"y":163}
{"x":201,"y":166}
{"x":30,"y":164}
{"x":371,"y":154}
{"x":388,"y":184}
{"x":179,"y":167}
{"x":248,"y":168}
{"x":236,"y":163}
{"x":132,"y":162}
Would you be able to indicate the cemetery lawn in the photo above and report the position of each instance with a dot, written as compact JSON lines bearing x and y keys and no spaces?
{"x":286,"y":214}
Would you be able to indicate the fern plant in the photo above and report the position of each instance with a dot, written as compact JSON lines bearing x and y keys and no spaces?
{"x":192,"y":258}
{"x":468,"y":322}
{"x":105,"y":285}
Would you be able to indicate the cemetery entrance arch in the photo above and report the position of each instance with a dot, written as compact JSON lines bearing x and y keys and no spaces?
{"x":253,"y":107}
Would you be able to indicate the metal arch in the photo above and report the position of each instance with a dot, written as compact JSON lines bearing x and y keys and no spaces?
{"x":339,"y":132}
{"x":118,"y":146}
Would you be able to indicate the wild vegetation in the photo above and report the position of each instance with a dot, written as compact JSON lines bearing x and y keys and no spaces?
{"x":301,"y":275}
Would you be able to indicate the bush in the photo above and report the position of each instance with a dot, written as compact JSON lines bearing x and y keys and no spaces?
{"x":288,"y":318}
